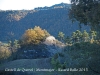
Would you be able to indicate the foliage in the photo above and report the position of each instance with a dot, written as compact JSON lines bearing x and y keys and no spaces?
{"x":86,"y":51}
{"x":4,"y":52}
{"x":68,"y":40}
{"x":93,"y":34}
{"x":14,"y":44}
{"x":84,"y":54}
{"x":86,"y":12}
{"x":56,"y":63}
{"x":34,"y":36}
{"x":84,"y":36}
{"x":61,"y":36}
{"x":76,"y":36}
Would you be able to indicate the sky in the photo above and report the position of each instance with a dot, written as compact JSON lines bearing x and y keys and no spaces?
{"x":28,"y":4}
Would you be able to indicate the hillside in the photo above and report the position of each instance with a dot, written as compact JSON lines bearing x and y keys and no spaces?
{"x":54,"y":19}
{"x":25,"y":64}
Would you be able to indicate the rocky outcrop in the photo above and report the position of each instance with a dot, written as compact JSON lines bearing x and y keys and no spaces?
{"x":47,"y":49}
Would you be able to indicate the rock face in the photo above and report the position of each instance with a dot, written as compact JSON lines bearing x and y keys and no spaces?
{"x":50,"y":40}
{"x":53,"y":45}
{"x":37,"y":51}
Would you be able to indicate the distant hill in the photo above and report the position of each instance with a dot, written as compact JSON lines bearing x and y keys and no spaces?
{"x":13,"y":23}
{"x":61,"y":5}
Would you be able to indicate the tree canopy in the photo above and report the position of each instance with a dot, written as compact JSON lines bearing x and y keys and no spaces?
{"x":61,"y":36}
{"x":86,"y":12}
{"x":34,"y":36}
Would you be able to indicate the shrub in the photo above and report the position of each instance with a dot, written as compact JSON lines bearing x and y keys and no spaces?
{"x":4,"y":53}
{"x":56,"y":63}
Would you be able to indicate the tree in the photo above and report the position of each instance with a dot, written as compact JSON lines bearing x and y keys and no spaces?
{"x":85,"y":36}
{"x":4,"y":52}
{"x":34,"y":36}
{"x":61,"y":36}
{"x":93,"y":35}
{"x":76,"y":36}
{"x":68,"y":40}
{"x":16,"y":45}
{"x":86,"y":12}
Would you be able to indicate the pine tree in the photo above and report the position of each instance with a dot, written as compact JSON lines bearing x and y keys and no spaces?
{"x":67,"y":40}
{"x":76,"y":36}
{"x":61,"y":36}
{"x":93,"y":35}
{"x":85,"y":36}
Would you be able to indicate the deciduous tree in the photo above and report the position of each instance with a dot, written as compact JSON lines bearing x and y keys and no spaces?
{"x":34,"y":36}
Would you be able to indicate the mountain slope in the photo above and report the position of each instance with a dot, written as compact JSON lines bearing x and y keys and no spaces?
{"x":14,"y":23}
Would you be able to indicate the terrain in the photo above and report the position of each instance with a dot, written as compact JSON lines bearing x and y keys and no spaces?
{"x":35,"y":66}
{"x":53,"y":19}
{"x":47,"y":38}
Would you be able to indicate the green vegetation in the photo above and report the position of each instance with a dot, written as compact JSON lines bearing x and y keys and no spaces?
{"x":56,"y":61}
{"x":86,"y":12}
{"x":14,"y":44}
{"x":8,"y":51}
{"x":78,"y":37}
{"x":61,"y":36}
{"x":86,"y":54}
{"x":82,"y":50}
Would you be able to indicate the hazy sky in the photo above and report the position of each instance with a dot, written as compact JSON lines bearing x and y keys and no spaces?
{"x":27,"y":4}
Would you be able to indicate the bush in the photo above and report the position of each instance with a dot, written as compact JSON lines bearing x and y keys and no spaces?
{"x":4,"y":53}
{"x":56,"y":63}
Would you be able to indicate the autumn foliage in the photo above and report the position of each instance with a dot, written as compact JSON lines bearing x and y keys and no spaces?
{"x":34,"y":36}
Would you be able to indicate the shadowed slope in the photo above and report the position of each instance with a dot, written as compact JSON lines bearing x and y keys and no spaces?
{"x":27,"y":63}
{"x":43,"y":63}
